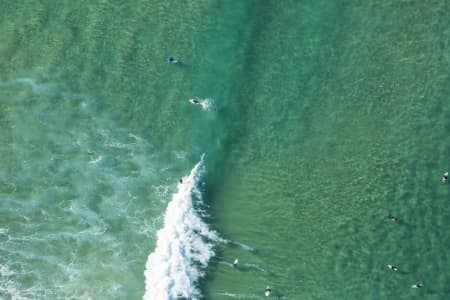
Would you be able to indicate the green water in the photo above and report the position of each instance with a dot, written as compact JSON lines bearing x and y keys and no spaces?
{"x":327,"y":116}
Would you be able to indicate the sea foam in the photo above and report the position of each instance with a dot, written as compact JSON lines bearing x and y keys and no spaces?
{"x":206,"y":104}
{"x":184,"y":245}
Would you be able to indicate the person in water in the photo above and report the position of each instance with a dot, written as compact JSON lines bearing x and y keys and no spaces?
{"x":417,"y":286}
{"x":235,"y":263}
{"x":445,"y":177}
{"x":393,"y":267}
{"x":181,"y":180}
{"x":171,"y":60}
{"x":194,"y":101}
{"x":267,"y":292}
{"x":393,"y":219}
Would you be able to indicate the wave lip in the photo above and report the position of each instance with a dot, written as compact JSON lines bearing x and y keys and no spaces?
{"x":183,"y":248}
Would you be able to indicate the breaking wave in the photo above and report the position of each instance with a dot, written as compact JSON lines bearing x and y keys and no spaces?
{"x":184,"y":245}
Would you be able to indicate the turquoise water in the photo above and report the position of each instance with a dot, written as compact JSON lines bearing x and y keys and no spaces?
{"x":322,"y":119}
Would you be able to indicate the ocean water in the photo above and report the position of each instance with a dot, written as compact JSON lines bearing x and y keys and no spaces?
{"x":318,"y":119}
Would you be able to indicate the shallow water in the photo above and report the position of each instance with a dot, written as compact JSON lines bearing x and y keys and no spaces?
{"x":324,"y":118}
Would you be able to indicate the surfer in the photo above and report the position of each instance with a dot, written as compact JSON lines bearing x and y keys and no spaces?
{"x":445,"y":177}
{"x":171,"y":60}
{"x":417,"y":286}
{"x":194,"y":101}
{"x":393,"y":219}
{"x":393,"y":267}
{"x":181,"y":180}
{"x":267,"y":292}
{"x":235,"y":263}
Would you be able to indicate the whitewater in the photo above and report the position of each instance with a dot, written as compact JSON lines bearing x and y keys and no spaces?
{"x":184,"y":245}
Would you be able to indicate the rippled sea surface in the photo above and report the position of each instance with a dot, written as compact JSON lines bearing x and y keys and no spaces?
{"x":317,"y":120}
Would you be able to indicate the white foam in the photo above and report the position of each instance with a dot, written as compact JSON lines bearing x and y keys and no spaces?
{"x":5,"y":271}
{"x":184,"y":246}
{"x":253,"y":266}
{"x":206,"y":103}
{"x":244,"y":246}
{"x":239,"y":296}
{"x":38,"y":88}
{"x":8,"y":286}
{"x":94,"y":160}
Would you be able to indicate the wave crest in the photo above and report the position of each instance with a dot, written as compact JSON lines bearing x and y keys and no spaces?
{"x":184,"y":245}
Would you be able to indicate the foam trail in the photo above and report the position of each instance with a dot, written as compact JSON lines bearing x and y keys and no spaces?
{"x":238,"y":296}
{"x":183,"y":248}
{"x":206,"y":104}
{"x":243,"y":246}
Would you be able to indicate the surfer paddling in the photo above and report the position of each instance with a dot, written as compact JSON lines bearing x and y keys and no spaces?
{"x":171,"y":60}
{"x":267,"y":291}
{"x":445,"y":177}
{"x":393,"y":267}
{"x":393,"y":219}
{"x":194,"y":101}
{"x":235,"y":263}
{"x":417,"y":286}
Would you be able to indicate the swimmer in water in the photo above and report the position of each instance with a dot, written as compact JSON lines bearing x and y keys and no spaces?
{"x":267,"y":292}
{"x":393,"y":267}
{"x":194,"y":101}
{"x":416,"y":286}
{"x":393,"y":219}
{"x":235,"y":263}
{"x":445,"y":177}
{"x":171,"y":60}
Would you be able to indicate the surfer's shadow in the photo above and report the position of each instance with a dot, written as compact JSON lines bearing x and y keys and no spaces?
{"x":403,"y":272}
{"x":279,"y":296}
